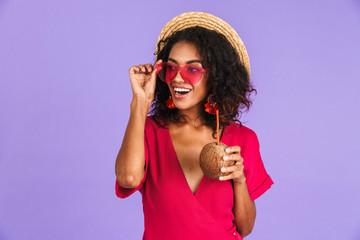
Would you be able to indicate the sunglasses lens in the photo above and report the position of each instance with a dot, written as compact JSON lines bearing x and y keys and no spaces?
{"x":191,"y":74}
{"x":166,"y":72}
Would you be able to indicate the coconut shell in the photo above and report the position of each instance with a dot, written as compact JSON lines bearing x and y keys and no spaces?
{"x":211,"y":160}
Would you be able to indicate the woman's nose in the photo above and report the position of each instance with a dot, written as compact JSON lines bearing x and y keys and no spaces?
{"x":178,"y":77}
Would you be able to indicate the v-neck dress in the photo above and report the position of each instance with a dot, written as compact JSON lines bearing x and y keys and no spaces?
{"x":171,"y":210}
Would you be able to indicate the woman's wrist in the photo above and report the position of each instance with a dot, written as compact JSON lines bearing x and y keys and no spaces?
{"x":140,"y":104}
{"x":240,"y":181}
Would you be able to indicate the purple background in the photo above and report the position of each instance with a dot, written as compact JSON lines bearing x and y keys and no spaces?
{"x":64,"y":105}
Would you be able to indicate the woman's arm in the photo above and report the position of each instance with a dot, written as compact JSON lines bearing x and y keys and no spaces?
{"x":130,"y":162}
{"x":244,"y":209}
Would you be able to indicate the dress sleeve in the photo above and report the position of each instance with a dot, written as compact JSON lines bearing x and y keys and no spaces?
{"x":257,"y":179}
{"x":122,"y":192}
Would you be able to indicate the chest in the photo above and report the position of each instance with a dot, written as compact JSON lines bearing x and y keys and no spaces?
{"x":187,"y":146}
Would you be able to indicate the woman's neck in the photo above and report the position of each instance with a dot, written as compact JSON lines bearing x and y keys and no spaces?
{"x":191,"y":117}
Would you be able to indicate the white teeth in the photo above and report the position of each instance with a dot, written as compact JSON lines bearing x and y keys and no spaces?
{"x":181,"y":89}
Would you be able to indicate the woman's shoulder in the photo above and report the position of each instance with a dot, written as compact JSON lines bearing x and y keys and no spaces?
{"x":238,"y":130}
{"x":154,"y":122}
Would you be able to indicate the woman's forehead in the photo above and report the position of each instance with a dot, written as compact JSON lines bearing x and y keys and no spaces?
{"x":192,"y":61}
{"x":184,"y":51}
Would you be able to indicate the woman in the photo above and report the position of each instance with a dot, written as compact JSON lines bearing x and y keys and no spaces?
{"x":202,"y":66}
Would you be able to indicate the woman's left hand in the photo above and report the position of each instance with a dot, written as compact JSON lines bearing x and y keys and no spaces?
{"x":237,"y":170}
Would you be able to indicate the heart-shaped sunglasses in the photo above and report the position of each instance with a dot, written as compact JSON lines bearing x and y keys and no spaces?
{"x":191,"y":74}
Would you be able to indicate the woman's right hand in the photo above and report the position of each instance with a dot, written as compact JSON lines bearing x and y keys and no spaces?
{"x":143,"y":80}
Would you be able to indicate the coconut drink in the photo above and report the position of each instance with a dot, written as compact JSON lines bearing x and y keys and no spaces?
{"x":211,"y":157}
{"x":211,"y":160}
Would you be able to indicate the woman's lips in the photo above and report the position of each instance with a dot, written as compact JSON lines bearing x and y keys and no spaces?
{"x":180,"y":96}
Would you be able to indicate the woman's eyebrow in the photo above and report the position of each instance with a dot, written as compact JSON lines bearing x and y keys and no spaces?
{"x":188,"y":62}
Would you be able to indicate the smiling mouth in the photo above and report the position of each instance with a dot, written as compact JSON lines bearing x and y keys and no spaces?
{"x":181,"y":91}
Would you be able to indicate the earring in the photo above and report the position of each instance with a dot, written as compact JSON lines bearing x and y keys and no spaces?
{"x":210,"y":106}
{"x":170,"y":103}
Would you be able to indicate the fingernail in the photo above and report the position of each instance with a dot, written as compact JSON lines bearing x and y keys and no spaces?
{"x":226,"y":157}
{"x":223,"y":169}
{"x":228,"y":150}
{"x":220,"y":178}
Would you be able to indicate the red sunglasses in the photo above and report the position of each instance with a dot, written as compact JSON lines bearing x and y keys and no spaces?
{"x":190,"y":73}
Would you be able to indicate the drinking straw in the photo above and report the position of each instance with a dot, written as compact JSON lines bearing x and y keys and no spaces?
{"x":217,"y":126}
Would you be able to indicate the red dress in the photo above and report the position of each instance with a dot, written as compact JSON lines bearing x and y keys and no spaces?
{"x":171,"y":210}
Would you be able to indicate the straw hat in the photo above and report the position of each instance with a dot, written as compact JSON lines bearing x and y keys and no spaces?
{"x":208,"y":21}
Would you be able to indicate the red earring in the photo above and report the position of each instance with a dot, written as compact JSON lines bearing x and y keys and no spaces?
{"x":210,"y":106}
{"x":170,"y":103}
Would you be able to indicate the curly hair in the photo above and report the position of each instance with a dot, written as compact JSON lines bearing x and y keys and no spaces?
{"x":228,"y":79}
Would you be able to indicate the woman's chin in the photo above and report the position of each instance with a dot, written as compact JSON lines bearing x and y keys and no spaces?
{"x":182,"y":106}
